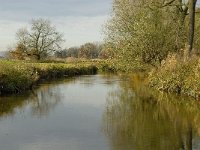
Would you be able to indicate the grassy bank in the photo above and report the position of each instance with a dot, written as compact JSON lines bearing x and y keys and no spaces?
{"x":18,"y":76}
{"x":179,"y":75}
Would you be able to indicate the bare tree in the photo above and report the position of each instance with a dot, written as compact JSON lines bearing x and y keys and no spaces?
{"x":41,"y":40}
{"x":89,"y":50}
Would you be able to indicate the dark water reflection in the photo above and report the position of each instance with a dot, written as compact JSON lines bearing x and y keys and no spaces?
{"x":141,"y":119}
{"x":98,"y":113}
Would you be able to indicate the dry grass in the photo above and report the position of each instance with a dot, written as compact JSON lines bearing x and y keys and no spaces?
{"x":178,"y":74}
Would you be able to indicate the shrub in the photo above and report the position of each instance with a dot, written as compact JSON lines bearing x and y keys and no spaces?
{"x":177,"y":74}
{"x":16,"y":77}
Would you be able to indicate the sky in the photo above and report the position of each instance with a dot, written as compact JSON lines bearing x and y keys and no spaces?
{"x":80,"y":21}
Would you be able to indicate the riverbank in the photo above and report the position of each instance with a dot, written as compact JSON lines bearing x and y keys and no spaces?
{"x":177,"y":74}
{"x":19,"y":76}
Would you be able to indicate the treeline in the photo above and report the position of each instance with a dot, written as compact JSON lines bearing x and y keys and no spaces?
{"x":87,"y":50}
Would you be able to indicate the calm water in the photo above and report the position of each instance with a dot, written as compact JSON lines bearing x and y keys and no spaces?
{"x":98,"y":113}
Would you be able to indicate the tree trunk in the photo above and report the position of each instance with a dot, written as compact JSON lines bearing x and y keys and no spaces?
{"x":192,"y":6}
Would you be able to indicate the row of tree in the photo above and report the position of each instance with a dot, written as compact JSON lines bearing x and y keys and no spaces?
{"x":147,"y":30}
{"x":87,"y":50}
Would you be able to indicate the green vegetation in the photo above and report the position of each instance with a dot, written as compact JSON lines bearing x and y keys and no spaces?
{"x":17,"y":76}
{"x":178,"y":75}
{"x":151,"y":35}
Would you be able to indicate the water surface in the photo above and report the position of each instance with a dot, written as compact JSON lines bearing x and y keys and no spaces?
{"x":99,"y":112}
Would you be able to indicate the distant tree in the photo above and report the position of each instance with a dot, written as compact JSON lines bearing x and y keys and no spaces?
{"x":19,"y":52}
{"x":89,"y":50}
{"x":72,"y":52}
{"x":86,"y":50}
{"x":41,"y":40}
{"x":60,"y":54}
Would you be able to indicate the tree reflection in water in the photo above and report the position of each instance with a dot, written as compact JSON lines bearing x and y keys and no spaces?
{"x":8,"y":105}
{"x":45,"y":100}
{"x":40,"y":101}
{"x":141,"y":119}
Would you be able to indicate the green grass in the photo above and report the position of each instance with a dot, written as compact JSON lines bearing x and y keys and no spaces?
{"x":18,"y":76}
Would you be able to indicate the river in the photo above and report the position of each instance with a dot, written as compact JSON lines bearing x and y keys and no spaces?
{"x":98,"y":112}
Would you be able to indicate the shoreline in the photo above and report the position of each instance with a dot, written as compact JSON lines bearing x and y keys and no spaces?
{"x":17,"y":77}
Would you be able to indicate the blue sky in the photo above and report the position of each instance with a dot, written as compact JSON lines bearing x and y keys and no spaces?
{"x":80,"y":20}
